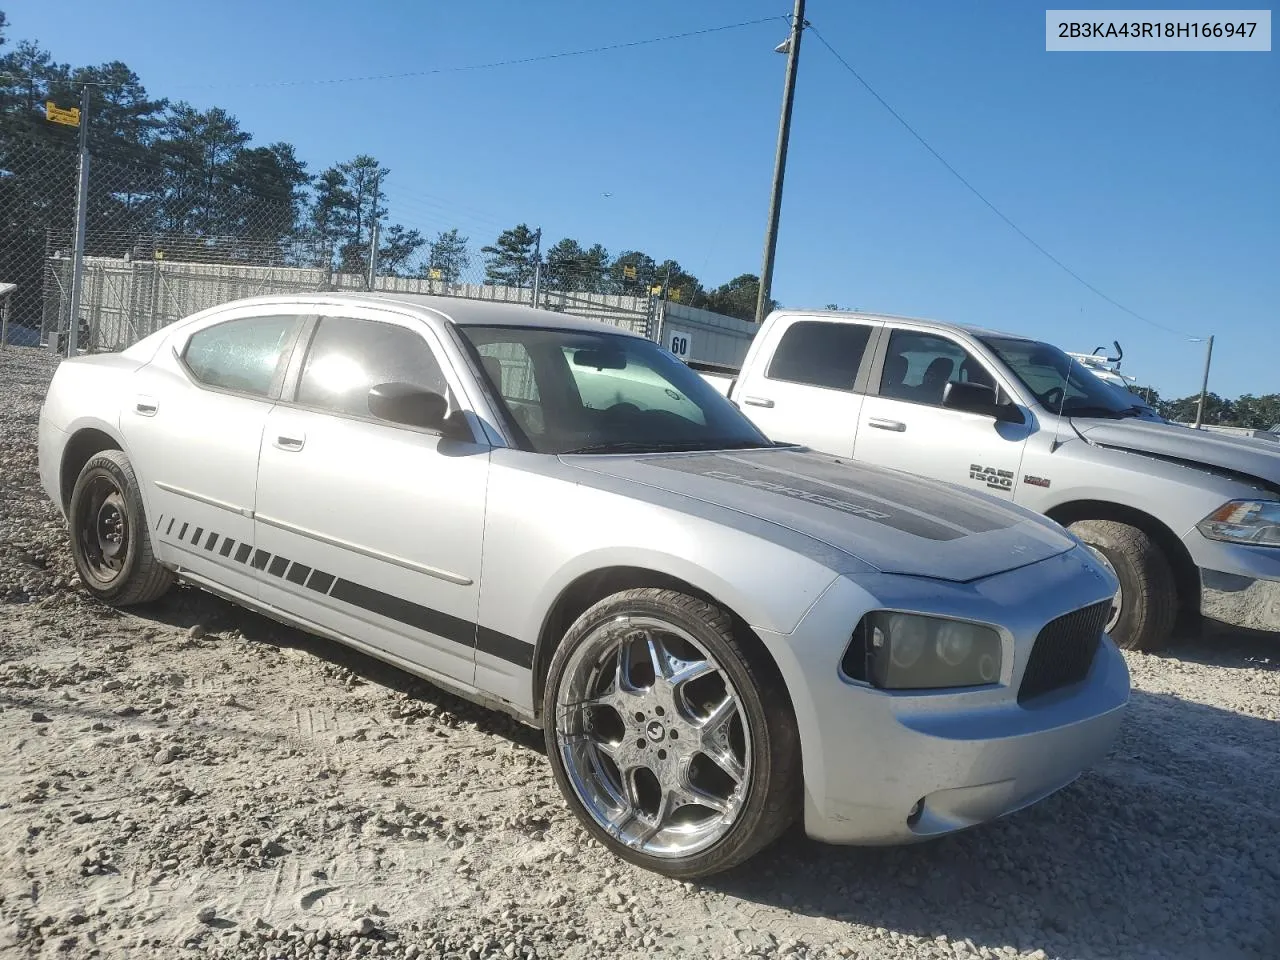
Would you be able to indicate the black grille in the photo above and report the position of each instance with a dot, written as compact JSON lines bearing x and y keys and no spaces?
{"x":1064,"y":651}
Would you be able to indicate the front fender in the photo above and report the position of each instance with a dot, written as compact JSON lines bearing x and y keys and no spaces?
{"x":776,"y":610}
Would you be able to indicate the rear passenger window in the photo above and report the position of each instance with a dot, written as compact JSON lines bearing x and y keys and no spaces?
{"x":348,"y":357}
{"x":820,"y":354}
{"x":241,"y":355}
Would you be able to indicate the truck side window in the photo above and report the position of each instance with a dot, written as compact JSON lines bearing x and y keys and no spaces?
{"x":820,"y":354}
{"x":918,"y":367}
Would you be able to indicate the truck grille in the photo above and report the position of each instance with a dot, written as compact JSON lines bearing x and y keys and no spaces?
{"x":1064,"y":651}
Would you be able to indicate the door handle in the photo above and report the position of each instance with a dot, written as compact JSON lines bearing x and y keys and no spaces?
{"x":146,"y":406}
{"x":757,"y":401}
{"x":880,"y":423}
{"x":290,"y":444}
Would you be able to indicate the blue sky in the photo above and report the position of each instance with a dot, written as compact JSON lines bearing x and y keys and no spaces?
{"x":1154,"y":176}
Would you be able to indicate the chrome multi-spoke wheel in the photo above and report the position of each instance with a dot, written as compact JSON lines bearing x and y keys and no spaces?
{"x":659,"y":736}
{"x":652,"y":734}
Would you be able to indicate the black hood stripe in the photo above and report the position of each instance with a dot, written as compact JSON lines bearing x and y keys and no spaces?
{"x":881,"y":496}
{"x":890,"y":506}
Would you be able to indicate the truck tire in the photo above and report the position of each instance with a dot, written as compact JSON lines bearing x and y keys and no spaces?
{"x":110,"y":539}
{"x":668,"y":736}
{"x":1148,"y":597}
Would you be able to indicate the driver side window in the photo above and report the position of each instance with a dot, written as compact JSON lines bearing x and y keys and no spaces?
{"x":510,"y":368}
{"x":918,"y":367}
{"x":347,"y":357}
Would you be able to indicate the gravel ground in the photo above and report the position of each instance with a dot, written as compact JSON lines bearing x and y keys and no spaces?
{"x":192,"y":779}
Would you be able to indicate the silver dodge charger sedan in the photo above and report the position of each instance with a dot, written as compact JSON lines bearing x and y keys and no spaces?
{"x":717,"y":634}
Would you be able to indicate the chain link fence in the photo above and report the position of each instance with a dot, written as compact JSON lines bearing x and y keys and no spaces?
{"x":160,"y":246}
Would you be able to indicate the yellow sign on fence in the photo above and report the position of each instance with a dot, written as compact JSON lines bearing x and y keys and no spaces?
{"x":629,"y":271}
{"x":435,"y":273}
{"x":55,"y":114}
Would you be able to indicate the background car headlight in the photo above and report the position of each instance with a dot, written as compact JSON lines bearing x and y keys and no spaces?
{"x":1244,"y":521}
{"x":906,"y":651}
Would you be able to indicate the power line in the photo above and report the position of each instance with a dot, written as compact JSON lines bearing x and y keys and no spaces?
{"x":978,"y":193}
{"x":464,"y":68}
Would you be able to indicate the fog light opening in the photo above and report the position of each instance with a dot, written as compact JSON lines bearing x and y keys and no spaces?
{"x":916,"y":811}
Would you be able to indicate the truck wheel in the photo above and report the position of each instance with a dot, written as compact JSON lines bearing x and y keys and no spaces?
{"x":1146,"y":606}
{"x":109,"y":537}
{"x":667,"y":735}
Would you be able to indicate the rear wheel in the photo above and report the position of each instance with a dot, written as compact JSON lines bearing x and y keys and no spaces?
{"x":1145,"y":607}
{"x":667,"y":737}
{"x":109,"y":537}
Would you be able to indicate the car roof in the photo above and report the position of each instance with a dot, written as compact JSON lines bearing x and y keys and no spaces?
{"x":969,"y":328}
{"x":457,"y":310}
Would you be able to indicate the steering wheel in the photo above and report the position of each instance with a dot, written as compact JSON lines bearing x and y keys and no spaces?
{"x":1053,"y":398}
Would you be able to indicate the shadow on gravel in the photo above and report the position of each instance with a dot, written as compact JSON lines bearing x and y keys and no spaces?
{"x":1218,"y":645}
{"x":1168,"y":848}
{"x":186,"y":607}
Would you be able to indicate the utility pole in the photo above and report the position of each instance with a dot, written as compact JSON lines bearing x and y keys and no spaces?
{"x":82,"y":205}
{"x":1204,"y":384}
{"x":537,"y":265}
{"x":373,"y":234}
{"x":792,"y":46}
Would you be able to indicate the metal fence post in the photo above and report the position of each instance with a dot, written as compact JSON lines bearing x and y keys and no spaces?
{"x":6,"y":292}
{"x":537,"y":268}
{"x":82,"y":204}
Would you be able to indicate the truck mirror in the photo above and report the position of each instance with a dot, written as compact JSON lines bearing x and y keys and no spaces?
{"x":970,"y":397}
{"x":980,"y":399}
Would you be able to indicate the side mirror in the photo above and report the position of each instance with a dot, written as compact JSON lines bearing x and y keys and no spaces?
{"x":409,"y":404}
{"x":980,"y":399}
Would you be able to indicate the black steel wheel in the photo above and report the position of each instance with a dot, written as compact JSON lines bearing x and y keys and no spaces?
{"x":109,"y":537}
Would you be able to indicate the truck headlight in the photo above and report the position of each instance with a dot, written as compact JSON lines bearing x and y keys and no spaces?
{"x":1254,"y":522}
{"x":907,"y":651}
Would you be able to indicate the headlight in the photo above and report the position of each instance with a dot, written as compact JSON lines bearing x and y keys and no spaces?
{"x":1244,"y":521}
{"x":906,"y":651}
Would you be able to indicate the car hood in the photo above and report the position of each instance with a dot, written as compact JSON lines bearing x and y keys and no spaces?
{"x":1248,"y":456}
{"x":896,"y":522}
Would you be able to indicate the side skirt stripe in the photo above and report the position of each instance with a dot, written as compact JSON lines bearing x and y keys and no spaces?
{"x":460,"y":631}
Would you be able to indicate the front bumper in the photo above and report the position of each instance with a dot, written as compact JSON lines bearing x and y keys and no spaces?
{"x":882,"y":767}
{"x":1239,"y":584}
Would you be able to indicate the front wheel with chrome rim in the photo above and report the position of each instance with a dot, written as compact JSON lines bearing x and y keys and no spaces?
{"x":670,"y":734}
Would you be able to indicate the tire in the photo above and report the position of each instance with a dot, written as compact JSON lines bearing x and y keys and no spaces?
{"x":106,"y":495}
{"x":1148,"y":590}
{"x":758,"y":741}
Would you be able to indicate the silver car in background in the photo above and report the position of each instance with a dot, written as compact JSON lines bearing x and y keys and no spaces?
{"x":556,"y":518}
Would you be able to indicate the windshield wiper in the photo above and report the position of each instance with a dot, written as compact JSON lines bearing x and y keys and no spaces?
{"x":1096,"y":410}
{"x":663,"y":446}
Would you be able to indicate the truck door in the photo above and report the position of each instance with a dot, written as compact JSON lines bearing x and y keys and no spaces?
{"x":904,"y":425}
{"x":805,"y":383}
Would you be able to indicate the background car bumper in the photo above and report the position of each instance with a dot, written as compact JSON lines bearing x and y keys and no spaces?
{"x":1239,"y":584}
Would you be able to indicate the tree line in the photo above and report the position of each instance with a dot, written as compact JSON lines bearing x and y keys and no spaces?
{"x":568,"y":265}
{"x":193,"y":180}
{"x":1255,"y":413}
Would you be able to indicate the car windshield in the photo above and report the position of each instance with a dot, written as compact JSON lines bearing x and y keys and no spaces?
{"x":570,"y":391}
{"x":1060,"y":382}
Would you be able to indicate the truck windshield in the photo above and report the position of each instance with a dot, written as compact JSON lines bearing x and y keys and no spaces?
{"x":572,"y":391}
{"x":1059,"y":382}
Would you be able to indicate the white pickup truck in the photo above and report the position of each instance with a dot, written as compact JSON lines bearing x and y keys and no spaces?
{"x":1188,"y":520}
